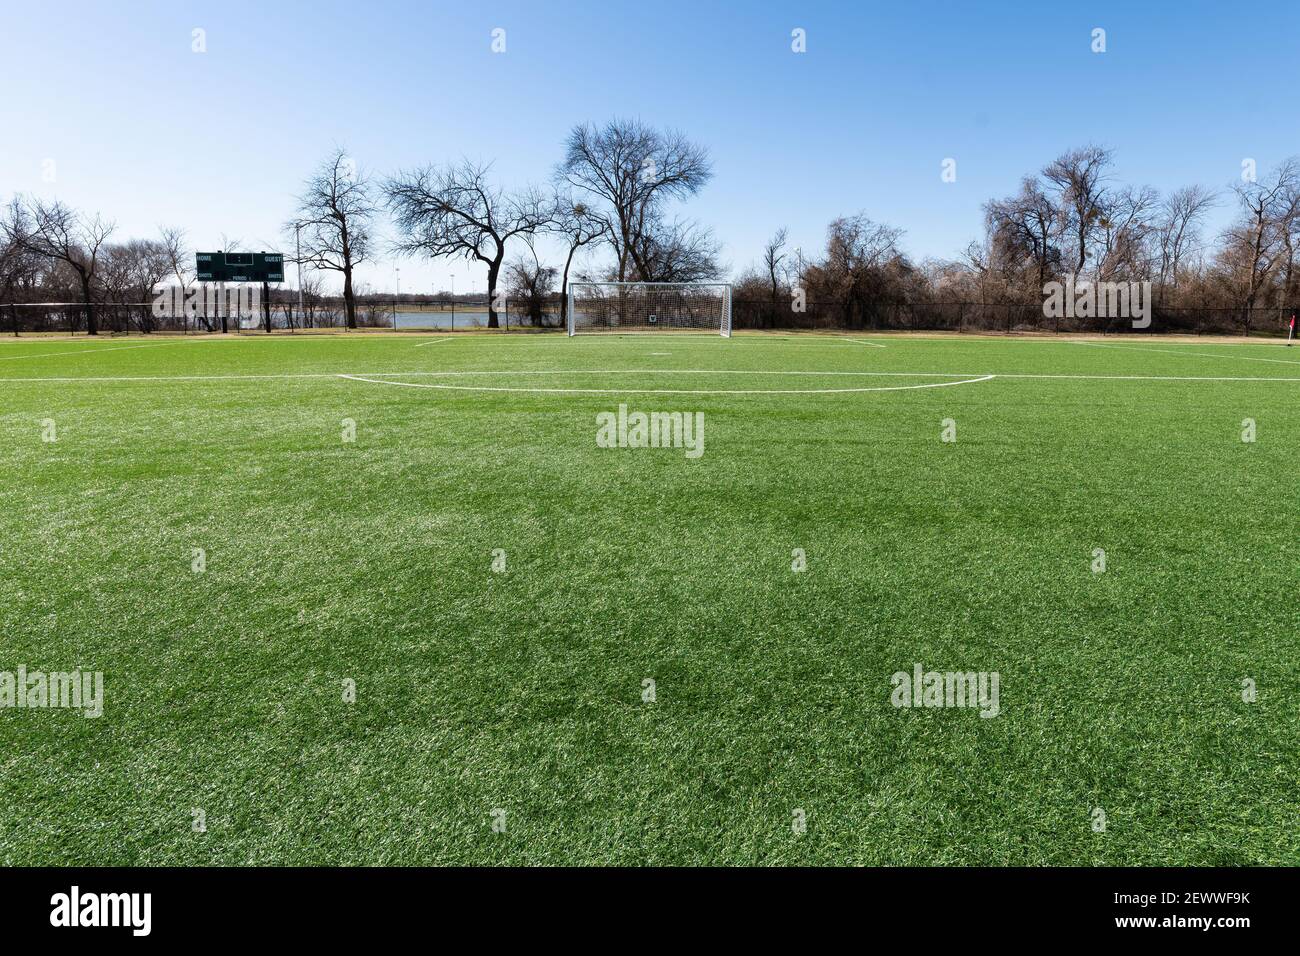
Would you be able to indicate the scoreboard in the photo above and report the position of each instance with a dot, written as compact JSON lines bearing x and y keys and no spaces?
{"x":239,"y":266}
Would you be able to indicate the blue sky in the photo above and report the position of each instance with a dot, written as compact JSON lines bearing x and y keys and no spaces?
{"x":143,"y":129}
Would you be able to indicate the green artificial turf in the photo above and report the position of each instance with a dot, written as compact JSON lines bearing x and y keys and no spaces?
{"x":522,"y":691}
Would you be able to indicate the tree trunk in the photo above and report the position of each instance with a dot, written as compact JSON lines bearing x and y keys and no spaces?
{"x":623,"y":251}
{"x":494,"y":268}
{"x":349,"y":300}
{"x":564,"y":289}
{"x":92,"y":324}
{"x":1042,"y":261}
{"x":1289,"y":281}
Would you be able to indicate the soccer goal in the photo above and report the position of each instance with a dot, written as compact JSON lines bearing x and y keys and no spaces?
{"x":650,"y":307}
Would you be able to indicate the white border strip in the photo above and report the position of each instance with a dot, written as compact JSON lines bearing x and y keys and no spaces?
{"x":282,"y":376}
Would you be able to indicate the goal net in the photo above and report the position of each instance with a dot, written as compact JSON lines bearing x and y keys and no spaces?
{"x":649,"y":307}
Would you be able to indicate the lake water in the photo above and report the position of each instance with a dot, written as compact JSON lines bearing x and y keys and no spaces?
{"x":443,"y":320}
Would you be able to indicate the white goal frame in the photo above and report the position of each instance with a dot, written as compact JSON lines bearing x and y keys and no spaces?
{"x":659,"y":290}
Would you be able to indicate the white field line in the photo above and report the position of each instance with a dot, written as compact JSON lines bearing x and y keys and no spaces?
{"x":667,"y":391}
{"x":1280,"y":343}
{"x":274,"y":376}
{"x":687,"y":340}
{"x":104,"y":348}
{"x":434,"y":341}
{"x":1231,"y":358}
{"x":835,"y":342}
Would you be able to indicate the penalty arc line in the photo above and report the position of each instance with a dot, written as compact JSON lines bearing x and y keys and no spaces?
{"x":664,"y":392}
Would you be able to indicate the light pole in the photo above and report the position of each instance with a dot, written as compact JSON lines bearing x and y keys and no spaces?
{"x":297,"y":242}
{"x":399,"y":297}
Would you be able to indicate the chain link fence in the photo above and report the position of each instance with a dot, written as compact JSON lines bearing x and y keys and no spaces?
{"x":859,"y":316}
{"x":764,"y":313}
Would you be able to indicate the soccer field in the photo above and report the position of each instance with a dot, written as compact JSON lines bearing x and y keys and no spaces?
{"x":563,"y":653}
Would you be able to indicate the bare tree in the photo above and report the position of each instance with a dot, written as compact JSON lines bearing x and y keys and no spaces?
{"x":19,"y":269}
{"x":530,"y":285}
{"x":1126,"y":225}
{"x":856,"y":242}
{"x":1079,"y":177}
{"x":1178,"y":230}
{"x":129,"y":271}
{"x":335,"y":213}
{"x":180,"y":263}
{"x":863,"y":270}
{"x":453,"y":211}
{"x":773,"y":255}
{"x":58,"y":234}
{"x":977,"y":263}
{"x":1290,"y":232}
{"x":1025,"y":227}
{"x":1256,"y":248}
{"x":633,"y":170}
{"x":578,"y":227}
{"x":680,"y":251}
{"x":151,"y":266}
{"x":312,"y":296}
{"x":17,"y":264}
{"x":178,"y":255}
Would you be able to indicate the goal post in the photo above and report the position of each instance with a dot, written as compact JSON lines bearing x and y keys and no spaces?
{"x":649,"y":307}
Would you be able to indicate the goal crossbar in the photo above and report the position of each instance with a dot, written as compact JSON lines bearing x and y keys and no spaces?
{"x":649,"y":307}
